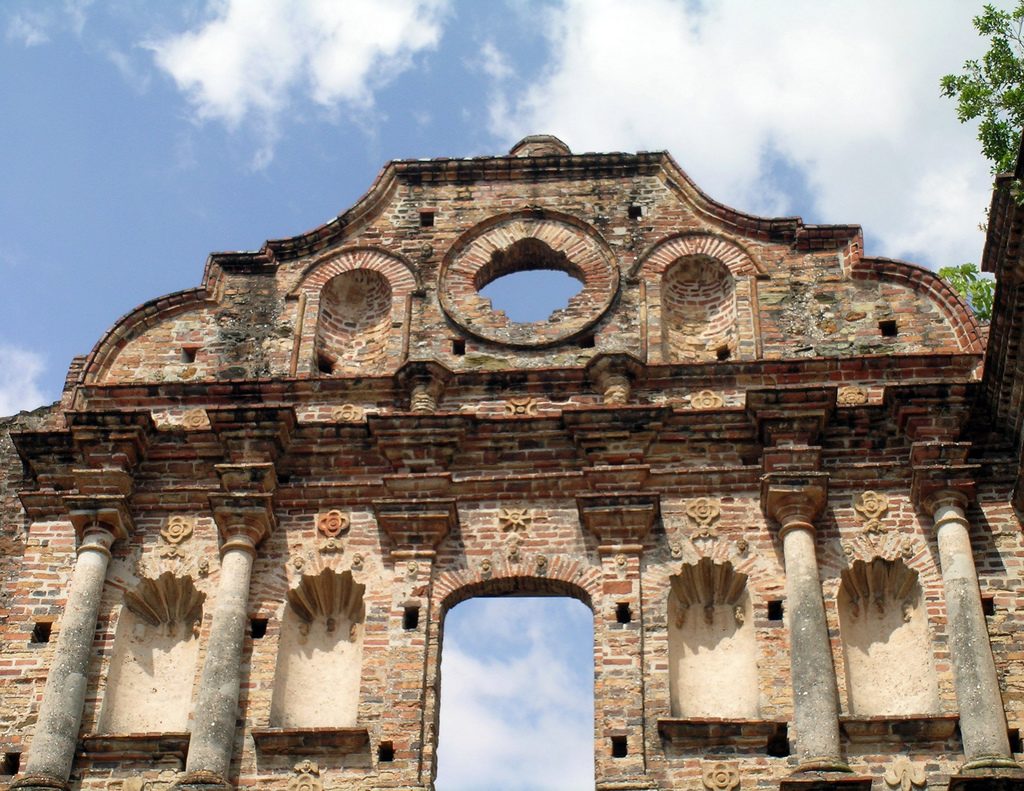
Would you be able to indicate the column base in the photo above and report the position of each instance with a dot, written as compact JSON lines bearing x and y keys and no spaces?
{"x":1005,"y":776}
{"x":202,"y":781}
{"x":31,"y":782}
{"x":828,"y":780}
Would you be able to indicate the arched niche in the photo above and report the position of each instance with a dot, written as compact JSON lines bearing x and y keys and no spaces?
{"x":698,"y":311}
{"x":884,"y":626}
{"x":354,"y":323}
{"x":319,"y":659}
{"x":152,"y":670}
{"x":711,"y":645}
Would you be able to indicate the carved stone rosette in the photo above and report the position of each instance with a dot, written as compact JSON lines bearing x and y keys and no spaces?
{"x":721,"y":775}
{"x":871,"y":507}
{"x":519,"y":407}
{"x":348,"y":413}
{"x":851,"y":396}
{"x":176,"y":530}
{"x":704,"y":512}
{"x":515,"y":520}
{"x":706,"y":399}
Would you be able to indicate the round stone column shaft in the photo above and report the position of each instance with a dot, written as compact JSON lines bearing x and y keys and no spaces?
{"x":213,"y":729}
{"x":60,"y":713}
{"x":982,"y":717}
{"x":815,"y":693}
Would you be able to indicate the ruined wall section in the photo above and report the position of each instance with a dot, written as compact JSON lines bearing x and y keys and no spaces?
{"x":446,"y":238}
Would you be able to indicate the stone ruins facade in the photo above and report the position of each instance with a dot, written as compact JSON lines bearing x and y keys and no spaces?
{"x":785,"y":477}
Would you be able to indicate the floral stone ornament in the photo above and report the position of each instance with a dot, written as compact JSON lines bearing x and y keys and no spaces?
{"x":704,"y":512}
{"x":307,"y":777}
{"x":721,"y":776}
{"x":871,"y":507}
{"x":176,"y":530}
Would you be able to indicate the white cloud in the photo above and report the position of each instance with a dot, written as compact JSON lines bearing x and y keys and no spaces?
{"x":517,"y":708}
{"x":849,"y":93}
{"x":254,"y":58}
{"x":29,"y":27}
{"x":19,"y":380}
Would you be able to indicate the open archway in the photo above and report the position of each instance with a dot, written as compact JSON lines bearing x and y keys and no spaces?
{"x":517,"y":696}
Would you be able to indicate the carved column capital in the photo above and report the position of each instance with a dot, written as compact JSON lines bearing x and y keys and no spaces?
{"x":243,"y":520}
{"x":426,"y":381}
{"x":794,"y":501}
{"x":613,"y":374}
{"x":942,"y":475}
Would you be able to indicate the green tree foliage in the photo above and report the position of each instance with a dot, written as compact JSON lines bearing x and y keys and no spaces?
{"x":992,"y":89}
{"x":977,"y":290}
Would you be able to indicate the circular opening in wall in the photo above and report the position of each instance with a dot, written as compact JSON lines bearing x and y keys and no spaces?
{"x":528,"y":281}
{"x":532,"y":296}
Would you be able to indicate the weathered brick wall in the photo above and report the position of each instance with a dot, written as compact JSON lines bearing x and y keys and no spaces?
{"x":796,"y":354}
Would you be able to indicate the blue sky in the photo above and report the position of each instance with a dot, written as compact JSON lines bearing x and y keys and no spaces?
{"x":135,"y":138}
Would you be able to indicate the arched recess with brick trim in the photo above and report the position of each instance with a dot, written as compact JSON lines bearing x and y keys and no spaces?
{"x":354,"y":310}
{"x":700,"y":297}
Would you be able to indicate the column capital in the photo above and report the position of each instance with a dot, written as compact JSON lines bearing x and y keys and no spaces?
{"x":942,"y":475}
{"x":243,"y":519}
{"x":103,"y":512}
{"x":613,"y":374}
{"x":794,"y":501}
{"x":426,"y":381}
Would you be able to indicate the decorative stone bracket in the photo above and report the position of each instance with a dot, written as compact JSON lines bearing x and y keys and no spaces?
{"x":617,"y":518}
{"x":416,"y":525}
{"x":253,"y":434}
{"x":941,"y":467}
{"x":791,"y":416}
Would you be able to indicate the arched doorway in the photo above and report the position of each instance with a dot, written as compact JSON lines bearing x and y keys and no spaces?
{"x":517,"y":691}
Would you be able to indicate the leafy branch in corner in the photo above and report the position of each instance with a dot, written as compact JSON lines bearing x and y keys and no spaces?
{"x":977,"y":290}
{"x":991,"y":91}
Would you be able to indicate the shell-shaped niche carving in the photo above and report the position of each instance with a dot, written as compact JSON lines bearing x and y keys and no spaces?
{"x":698,"y":311}
{"x":152,"y":667}
{"x":712,"y":653}
{"x":166,"y":600}
{"x":353,"y":323}
{"x":707,"y":584}
{"x":328,"y":595}
{"x":878,"y":584}
{"x":883,"y":625}
{"x":319,"y":659}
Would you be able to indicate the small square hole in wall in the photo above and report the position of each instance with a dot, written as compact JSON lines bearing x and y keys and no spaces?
{"x":775,"y":610}
{"x":284,"y":478}
{"x":411,"y":618}
{"x":458,"y":347}
{"x":426,"y":219}
{"x":258,"y":628}
{"x":635,"y":212}
{"x":622,"y":613}
{"x":723,"y":353}
{"x":385,"y":752}
{"x":586,"y":342}
{"x":10,"y":764}
{"x":988,"y":605}
{"x":778,"y":742}
{"x":323,"y":365}
{"x":619,"y":747}
{"x":887,"y":328}
{"x":1013,"y":734}
{"x":41,"y":632}
{"x":188,"y":353}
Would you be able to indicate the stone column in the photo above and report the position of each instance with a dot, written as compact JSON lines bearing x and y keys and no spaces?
{"x":795,"y":502}
{"x":244,"y":519}
{"x":982,"y":717}
{"x":60,"y":713}
{"x":213,"y":730}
